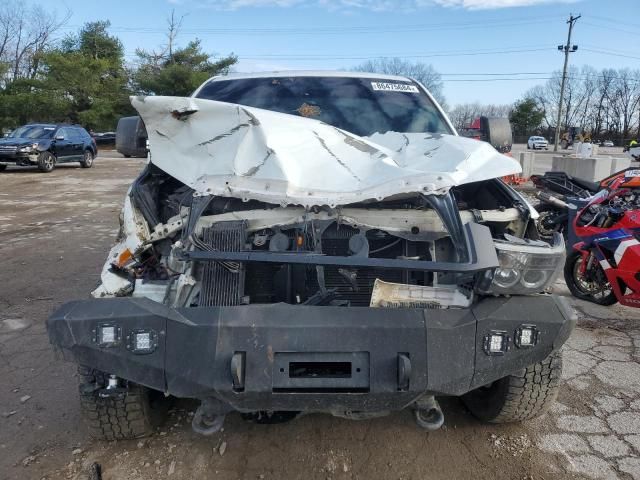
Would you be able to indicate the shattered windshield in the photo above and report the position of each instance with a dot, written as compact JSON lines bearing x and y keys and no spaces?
{"x":33,"y":132}
{"x":362,"y":106}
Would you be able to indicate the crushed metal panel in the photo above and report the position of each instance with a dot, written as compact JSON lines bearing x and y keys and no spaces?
{"x":134,"y":237}
{"x":401,"y":295}
{"x":254,"y":154}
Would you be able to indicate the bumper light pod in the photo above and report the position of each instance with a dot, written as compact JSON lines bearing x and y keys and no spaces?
{"x":526,"y":336}
{"x":142,"y":341}
{"x":496,"y":343}
{"x":107,"y":335}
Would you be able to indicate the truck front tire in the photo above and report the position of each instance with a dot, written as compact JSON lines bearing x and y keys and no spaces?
{"x":522,"y":396}
{"x":135,"y":415}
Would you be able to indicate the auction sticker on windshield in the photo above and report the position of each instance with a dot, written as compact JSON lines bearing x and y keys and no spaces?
{"x":394,"y":87}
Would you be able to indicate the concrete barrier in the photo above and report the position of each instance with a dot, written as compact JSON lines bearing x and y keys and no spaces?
{"x":618,"y":164}
{"x":591,"y":169}
{"x":560,"y":164}
{"x":527,"y":162}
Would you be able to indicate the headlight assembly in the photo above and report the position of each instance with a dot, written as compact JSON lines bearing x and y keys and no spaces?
{"x":526,"y":267}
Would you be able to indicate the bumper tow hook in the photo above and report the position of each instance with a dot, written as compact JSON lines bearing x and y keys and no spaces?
{"x":428,"y":414}
{"x":113,"y":389}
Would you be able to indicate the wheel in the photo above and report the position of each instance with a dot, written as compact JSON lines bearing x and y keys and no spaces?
{"x":127,"y":156}
{"x":46,"y":162}
{"x":544,"y":224}
{"x":87,"y":160}
{"x":3,"y":168}
{"x":135,"y":415}
{"x":595,"y":288}
{"x":521,"y":396}
{"x":528,"y":147}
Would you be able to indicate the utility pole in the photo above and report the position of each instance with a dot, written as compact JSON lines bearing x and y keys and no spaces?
{"x":568,"y":48}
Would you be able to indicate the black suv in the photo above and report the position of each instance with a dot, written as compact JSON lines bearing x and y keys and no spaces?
{"x":45,"y":145}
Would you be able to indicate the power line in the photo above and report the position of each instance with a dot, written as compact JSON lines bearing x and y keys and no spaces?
{"x":607,"y":27}
{"x":310,"y":58}
{"x":495,"y":79}
{"x":338,"y":29}
{"x":604,"y":52}
{"x":368,"y":57}
{"x":616,"y":21}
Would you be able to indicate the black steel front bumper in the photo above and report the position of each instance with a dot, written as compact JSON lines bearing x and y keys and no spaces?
{"x":286,"y":357}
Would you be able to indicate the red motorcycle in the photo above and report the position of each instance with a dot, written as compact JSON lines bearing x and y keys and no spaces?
{"x":604,"y":267}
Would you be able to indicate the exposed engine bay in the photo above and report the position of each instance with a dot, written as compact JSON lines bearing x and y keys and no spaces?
{"x":406,"y":228}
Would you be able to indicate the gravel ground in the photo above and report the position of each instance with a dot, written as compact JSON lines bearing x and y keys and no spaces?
{"x":55,"y":230}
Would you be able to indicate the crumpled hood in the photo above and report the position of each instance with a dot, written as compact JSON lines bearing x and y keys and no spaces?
{"x":237,"y":151}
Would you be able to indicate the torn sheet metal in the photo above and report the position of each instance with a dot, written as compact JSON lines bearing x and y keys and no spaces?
{"x":133,"y":239}
{"x":231,"y":150}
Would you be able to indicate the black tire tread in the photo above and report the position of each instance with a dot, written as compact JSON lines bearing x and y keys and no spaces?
{"x":115,"y":418}
{"x":41,"y":165}
{"x":83,"y":164}
{"x":522,"y":396}
{"x":575,"y":291}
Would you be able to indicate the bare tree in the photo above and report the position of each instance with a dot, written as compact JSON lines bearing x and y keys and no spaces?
{"x":463,"y":114}
{"x":25,"y":32}
{"x":174,"y":30}
{"x":627,"y":96}
{"x":605,"y":102}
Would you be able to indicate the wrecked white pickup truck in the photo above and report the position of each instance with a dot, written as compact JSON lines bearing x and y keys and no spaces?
{"x":317,"y":242}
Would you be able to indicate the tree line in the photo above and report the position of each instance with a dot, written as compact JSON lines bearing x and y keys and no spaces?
{"x":83,"y":77}
{"x":604,"y":103}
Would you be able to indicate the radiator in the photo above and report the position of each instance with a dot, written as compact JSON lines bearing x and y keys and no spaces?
{"x":223,"y":282}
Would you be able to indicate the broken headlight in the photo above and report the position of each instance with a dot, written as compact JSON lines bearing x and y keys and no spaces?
{"x":525,"y":267}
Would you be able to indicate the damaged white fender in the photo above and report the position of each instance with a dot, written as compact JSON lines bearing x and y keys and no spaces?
{"x":243,"y":152}
{"x":134,"y":238}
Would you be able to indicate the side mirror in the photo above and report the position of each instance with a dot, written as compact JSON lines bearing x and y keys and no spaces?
{"x":60,"y":137}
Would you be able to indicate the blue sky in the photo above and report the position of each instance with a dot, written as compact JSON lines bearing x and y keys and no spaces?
{"x":489,"y":51}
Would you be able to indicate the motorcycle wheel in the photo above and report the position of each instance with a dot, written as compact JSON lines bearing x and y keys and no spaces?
{"x":592,"y":291}
{"x":545,"y":229}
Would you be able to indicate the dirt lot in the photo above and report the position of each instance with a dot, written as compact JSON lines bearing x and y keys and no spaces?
{"x":55,"y":230}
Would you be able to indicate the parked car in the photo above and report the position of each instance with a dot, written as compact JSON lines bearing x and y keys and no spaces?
{"x":607,"y":143}
{"x":537,"y":143}
{"x":105,"y":138}
{"x":46,"y":145}
{"x":317,"y":242}
{"x":131,"y":137}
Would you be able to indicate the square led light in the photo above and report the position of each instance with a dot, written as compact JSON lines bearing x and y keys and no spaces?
{"x":496,"y":343}
{"x":526,"y":336}
{"x":142,"y":341}
{"x":108,"y":334}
